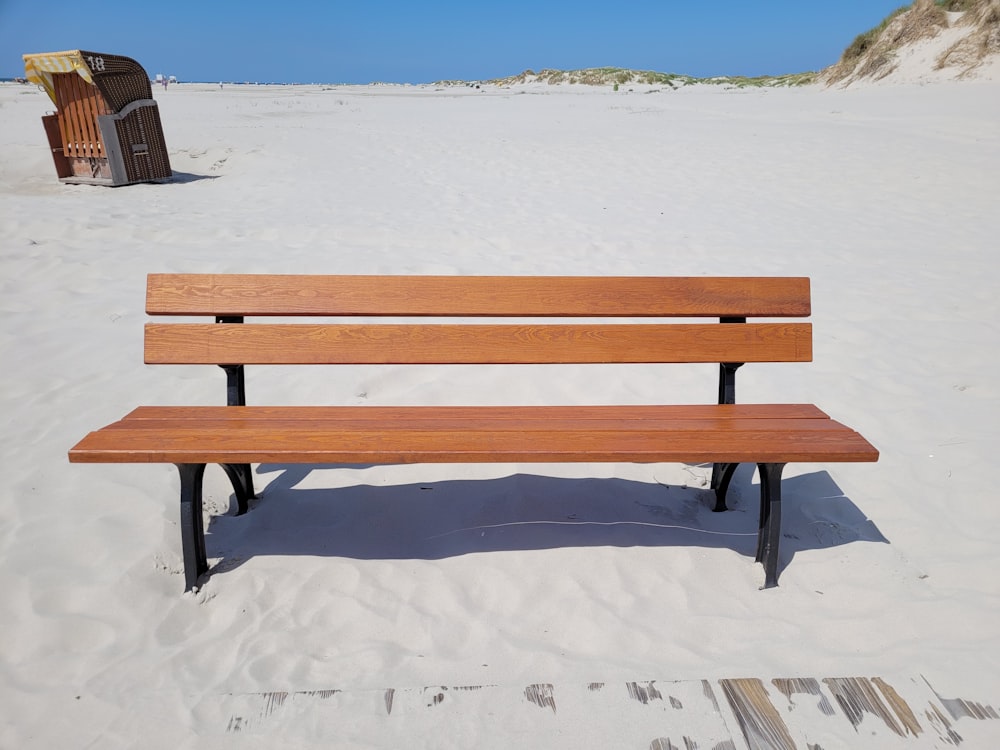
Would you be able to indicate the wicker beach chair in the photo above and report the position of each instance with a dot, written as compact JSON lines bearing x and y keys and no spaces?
{"x":106,"y":129}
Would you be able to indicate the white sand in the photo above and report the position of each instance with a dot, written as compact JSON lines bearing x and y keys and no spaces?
{"x":362,"y":579}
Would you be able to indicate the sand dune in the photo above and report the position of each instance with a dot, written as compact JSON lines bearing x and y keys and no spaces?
{"x":925,"y":42}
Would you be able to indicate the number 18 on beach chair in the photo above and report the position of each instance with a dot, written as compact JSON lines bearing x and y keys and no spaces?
{"x":106,"y":129}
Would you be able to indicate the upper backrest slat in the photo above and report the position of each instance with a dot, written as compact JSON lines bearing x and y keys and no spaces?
{"x":475,"y":296}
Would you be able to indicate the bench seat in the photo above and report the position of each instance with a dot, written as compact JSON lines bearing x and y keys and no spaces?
{"x":736,"y":433}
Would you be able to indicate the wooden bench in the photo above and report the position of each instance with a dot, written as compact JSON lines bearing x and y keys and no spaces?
{"x":724,"y":434}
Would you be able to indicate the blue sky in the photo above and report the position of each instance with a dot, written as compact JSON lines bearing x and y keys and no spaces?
{"x":418,"y":42}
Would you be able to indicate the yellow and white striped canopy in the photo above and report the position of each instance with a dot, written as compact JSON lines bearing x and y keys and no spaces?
{"x":39,"y":68}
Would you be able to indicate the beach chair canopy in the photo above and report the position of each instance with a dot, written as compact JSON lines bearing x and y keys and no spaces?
{"x":120,"y":79}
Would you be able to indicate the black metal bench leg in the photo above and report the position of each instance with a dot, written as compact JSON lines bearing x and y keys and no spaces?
{"x":192,"y":525}
{"x":722,"y":475}
{"x":769,"y":534}
{"x":727,"y":395}
{"x":242,"y":479}
{"x":236,"y":395}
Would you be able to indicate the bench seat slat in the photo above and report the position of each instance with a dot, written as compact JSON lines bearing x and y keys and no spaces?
{"x":312,"y":441}
{"x":492,"y":296}
{"x":214,"y":445}
{"x":474,"y":424}
{"x":397,"y":414}
{"x":476,"y":344}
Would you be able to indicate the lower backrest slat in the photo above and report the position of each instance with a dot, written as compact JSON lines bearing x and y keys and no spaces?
{"x":476,"y":344}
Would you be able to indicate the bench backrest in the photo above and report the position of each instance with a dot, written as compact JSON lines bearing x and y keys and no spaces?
{"x":230,"y":298}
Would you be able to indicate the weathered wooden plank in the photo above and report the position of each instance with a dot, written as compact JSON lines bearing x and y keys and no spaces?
{"x":84,"y":119}
{"x":476,"y":344}
{"x":69,"y":114}
{"x":660,"y":715}
{"x":89,"y":113}
{"x":62,"y":116}
{"x":79,"y":103}
{"x":493,"y":296}
{"x":53,"y":134}
{"x":857,"y":696}
{"x":790,"y":686}
{"x":762,"y":725}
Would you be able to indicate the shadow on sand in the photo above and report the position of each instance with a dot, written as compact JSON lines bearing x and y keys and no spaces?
{"x":440,"y":519}
{"x":181,"y":178}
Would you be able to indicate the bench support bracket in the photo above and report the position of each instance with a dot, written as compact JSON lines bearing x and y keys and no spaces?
{"x":192,"y":525}
{"x":242,"y":480}
{"x":769,"y":534}
{"x":236,"y":395}
{"x":727,"y":395}
{"x":727,"y":382}
{"x":236,"y":385}
{"x":722,"y":475}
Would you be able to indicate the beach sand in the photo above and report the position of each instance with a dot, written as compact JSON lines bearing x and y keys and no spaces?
{"x":512,"y":605}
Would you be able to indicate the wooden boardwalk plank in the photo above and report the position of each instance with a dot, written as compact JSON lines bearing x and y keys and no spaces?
{"x":659,"y":715}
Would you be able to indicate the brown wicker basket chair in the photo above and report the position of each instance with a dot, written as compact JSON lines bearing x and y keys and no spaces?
{"x":106,"y":129}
